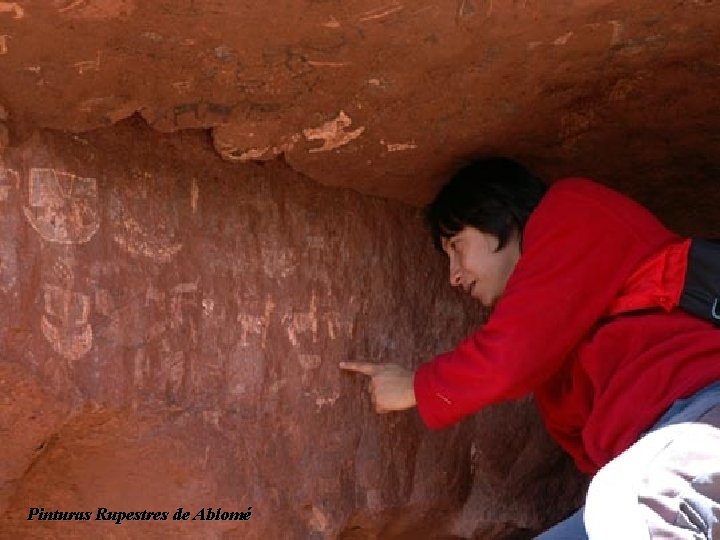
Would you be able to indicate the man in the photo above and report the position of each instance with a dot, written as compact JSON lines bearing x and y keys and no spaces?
{"x":583,"y":286}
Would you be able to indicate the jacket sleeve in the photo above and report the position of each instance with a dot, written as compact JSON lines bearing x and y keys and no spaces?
{"x":579,"y":246}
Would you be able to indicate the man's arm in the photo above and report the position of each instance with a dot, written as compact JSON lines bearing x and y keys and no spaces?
{"x":579,"y":247}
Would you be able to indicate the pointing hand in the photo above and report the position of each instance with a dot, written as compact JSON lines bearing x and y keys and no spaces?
{"x":391,"y":385}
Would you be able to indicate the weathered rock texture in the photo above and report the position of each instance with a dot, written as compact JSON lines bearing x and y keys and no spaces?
{"x":381,"y":95}
{"x":171,"y":326}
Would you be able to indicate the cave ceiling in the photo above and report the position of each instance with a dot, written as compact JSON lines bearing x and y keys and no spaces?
{"x":382,"y":96}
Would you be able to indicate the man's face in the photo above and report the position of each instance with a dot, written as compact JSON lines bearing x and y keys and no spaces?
{"x":477,"y":267}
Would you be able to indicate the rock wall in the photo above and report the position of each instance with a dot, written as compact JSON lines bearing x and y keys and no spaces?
{"x":170,"y":321}
{"x":170,"y":328}
{"x":384,"y":96}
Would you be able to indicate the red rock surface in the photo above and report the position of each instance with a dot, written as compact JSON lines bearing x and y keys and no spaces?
{"x":174,"y":300}
{"x":171,"y":328}
{"x":381,"y":95}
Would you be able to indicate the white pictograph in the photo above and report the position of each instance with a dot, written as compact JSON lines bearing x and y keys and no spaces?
{"x":72,"y":5}
{"x":65,"y":322}
{"x":12,"y":7}
{"x":255,"y":322}
{"x":8,"y":179}
{"x":278,"y":263}
{"x":297,"y":323}
{"x":88,"y":65}
{"x":194,"y":195}
{"x":143,"y":225}
{"x":333,"y":133}
{"x":63,"y":207}
{"x":8,"y":266}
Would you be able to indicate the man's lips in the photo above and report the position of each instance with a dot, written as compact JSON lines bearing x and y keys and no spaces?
{"x":469,"y":288}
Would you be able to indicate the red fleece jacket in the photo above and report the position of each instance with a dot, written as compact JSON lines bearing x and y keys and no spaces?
{"x":599,"y":380}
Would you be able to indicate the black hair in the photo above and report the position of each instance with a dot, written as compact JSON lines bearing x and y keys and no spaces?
{"x":496,"y":195}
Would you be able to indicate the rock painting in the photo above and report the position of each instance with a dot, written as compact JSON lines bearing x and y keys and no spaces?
{"x":63,"y":207}
{"x":14,"y":8}
{"x":65,"y":322}
{"x":255,"y":322}
{"x":142,"y":225}
{"x":333,"y":133}
{"x":302,"y":323}
{"x":8,"y":179}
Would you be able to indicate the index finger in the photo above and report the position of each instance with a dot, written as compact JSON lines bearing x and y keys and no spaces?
{"x":359,"y":367}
